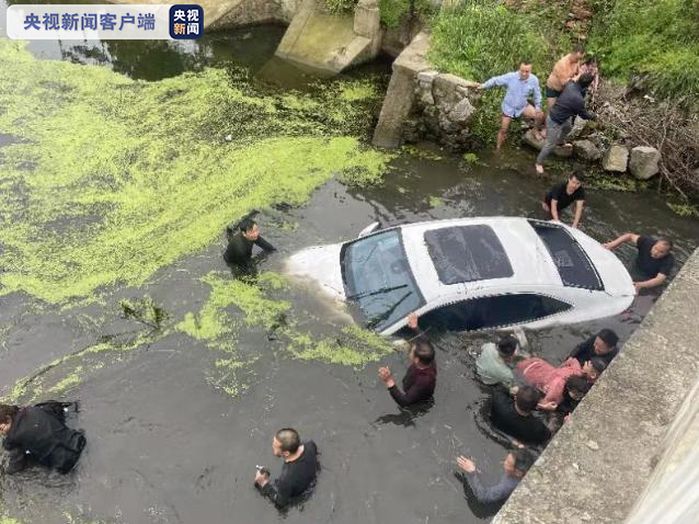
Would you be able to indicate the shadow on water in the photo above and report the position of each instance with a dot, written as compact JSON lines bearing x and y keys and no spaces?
{"x":165,"y":445}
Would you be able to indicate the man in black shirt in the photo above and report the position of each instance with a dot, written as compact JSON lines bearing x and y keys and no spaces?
{"x":562,"y":195}
{"x":570,"y":104}
{"x":298,"y":472}
{"x":602,"y":345}
{"x":654,"y":260}
{"x":516,"y":418}
{"x":420,"y":379}
{"x":239,"y":249}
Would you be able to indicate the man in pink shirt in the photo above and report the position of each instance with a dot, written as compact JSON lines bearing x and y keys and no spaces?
{"x":551,"y":380}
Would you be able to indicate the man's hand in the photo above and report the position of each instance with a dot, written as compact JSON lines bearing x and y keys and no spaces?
{"x":412,"y":321}
{"x":479,"y":87}
{"x":638,"y":286}
{"x":516,"y":443}
{"x":261,"y":479}
{"x":386,"y":377}
{"x":608,"y":245}
{"x":465,"y":464}
{"x":514,"y":390}
{"x":547,"y":406}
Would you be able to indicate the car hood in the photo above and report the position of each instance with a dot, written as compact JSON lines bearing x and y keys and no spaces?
{"x":320,"y":264}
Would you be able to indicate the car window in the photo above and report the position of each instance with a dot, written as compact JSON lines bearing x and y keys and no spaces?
{"x":378,"y":279}
{"x":573,"y":264}
{"x":495,"y":311}
{"x":467,"y":253}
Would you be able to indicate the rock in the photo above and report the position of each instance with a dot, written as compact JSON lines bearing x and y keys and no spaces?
{"x":530,"y":139}
{"x":426,"y":98}
{"x":461,"y":113}
{"x":445,"y":88}
{"x":586,"y":150}
{"x":616,"y":159}
{"x":592,"y":445}
{"x":427,"y":76}
{"x":579,"y":126}
{"x":643,"y":162}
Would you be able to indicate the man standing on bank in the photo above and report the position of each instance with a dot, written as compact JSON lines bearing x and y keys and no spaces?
{"x":521,"y":86}
{"x":654,"y":260}
{"x":298,"y":472}
{"x":559,"y":122}
{"x":562,"y":195}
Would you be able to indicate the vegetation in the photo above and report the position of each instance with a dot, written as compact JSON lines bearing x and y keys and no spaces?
{"x":392,"y":11}
{"x":656,"y":39}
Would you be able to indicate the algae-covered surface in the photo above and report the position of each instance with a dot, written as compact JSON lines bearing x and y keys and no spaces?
{"x":114,"y":194}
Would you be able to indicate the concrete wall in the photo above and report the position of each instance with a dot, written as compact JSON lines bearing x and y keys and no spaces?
{"x":625,"y":436}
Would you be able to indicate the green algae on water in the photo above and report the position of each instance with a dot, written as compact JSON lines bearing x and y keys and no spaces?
{"x":113,"y":178}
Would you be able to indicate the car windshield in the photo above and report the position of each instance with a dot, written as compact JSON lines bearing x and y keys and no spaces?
{"x":378,"y":279}
{"x":572,"y":263}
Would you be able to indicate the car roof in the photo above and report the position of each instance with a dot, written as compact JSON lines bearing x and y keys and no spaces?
{"x":529,"y":259}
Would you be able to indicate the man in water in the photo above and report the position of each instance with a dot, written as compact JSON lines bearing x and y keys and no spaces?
{"x":654,"y":261}
{"x":298,"y":472}
{"x":421,"y":378}
{"x":521,"y":86}
{"x":38,"y":434}
{"x":516,"y":465}
{"x":239,"y":249}
{"x":516,"y":418}
{"x":562,"y":195}
{"x":602,"y":345}
{"x":559,"y":122}
{"x":494,"y":364}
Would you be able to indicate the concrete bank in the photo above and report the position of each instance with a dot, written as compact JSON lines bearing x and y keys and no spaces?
{"x":631,"y":435}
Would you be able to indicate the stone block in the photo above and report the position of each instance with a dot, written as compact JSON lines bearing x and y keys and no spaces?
{"x":643,"y":162}
{"x":531,"y":140}
{"x":427,"y":76}
{"x":586,"y":150}
{"x":461,"y":112}
{"x":616,"y":159}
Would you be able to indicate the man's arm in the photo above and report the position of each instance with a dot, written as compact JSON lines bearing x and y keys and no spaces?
{"x":261,"y":242}
{"x":537,"y":95}
{"x":487,"y":495}
{"x":655,"y":281}
{"x":414,"y":394}
{"x":501,"y":80}
{"x":579,"y":204}
{"x":554,"y":210}
{"x":626,"y":237}
{"x":277,"y":493}
{"x":580,"y":347}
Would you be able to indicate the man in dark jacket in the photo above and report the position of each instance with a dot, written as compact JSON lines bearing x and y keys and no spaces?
{"x":602,"y":345}
{"x":298,"y":472}
{"x":239,"y":249}
{"x":38,"y":433}
{"x":559,"y":122}
{"x":516,"y":418}
{"x":420,"y":379}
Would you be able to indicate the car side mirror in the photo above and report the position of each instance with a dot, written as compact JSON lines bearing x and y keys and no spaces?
{"x":369,"y":229}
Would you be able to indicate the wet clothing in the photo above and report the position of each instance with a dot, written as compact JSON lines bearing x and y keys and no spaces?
{"x":492,"y":369}
{"x":586,"y":351}
{"x":239,"y":249}
{"x":39,"y":433}
{"x":567,"y":406}
{"x":548,"y":379}
{"x":650,"y":267}
{"x":504,"y":417}
{"x":418,"y":385}
{"x":296,"y":477}
{"x":518,"y":92}
{"x":561,"y":196}
{"x":498,"y":492}
{"x":569,"y":104}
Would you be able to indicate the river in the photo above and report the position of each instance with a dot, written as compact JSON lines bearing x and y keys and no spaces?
{"x":167,"y":444}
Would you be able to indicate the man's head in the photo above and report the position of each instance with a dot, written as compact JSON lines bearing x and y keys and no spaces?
{"x":249,"y":229}
{"x":585,"y":80}
{"x":525,"y":69}
{"x":286,"y":442}
{"x":7,"y":416}
{"x":578,"y":53}
{"x":575,"y":180}
{"x":577,"y":387}
{"x":507,"y":346}
{"x":605,"y":341}
{"x":527,"y":398}
{"x":421,"y":352}
{"x":593,"y":368}
{"x":518,"y":462}
{"x":661,"y":248}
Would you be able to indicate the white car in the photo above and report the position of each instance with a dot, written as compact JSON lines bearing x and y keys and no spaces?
{"x":471,"y":273}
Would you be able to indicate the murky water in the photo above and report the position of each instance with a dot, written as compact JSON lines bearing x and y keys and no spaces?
{"x":166,"y":445}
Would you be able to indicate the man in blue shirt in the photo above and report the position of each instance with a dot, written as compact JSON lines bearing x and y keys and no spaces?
{"x":516,"y":464}
{"x":521,"y":86}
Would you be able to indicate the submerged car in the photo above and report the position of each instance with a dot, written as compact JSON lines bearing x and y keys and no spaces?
{"x":471,"y":274}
